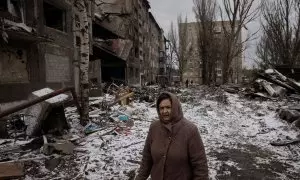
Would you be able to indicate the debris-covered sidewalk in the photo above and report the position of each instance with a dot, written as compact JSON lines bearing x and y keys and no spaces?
{"x":239,"y":134}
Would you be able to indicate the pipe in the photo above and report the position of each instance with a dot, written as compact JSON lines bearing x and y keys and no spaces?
{"x":41,"y":99}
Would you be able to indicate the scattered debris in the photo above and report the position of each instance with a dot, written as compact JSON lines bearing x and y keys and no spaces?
{"x":65,"y":147}
{"x":91,"y":128}
{"x":39,"y":112}
{"x":61,"y":146}
{"x":43,"y":112}
{"x":52,"y":163}
{"x":119,"y":122}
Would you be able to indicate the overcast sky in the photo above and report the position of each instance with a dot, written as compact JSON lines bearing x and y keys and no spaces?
{"x":166,"y":11}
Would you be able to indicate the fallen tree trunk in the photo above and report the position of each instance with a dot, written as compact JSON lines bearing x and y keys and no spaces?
{"x":275,"y":81}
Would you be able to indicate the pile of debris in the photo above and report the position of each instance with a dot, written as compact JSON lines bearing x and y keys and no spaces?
{"x":39,"y":128}
{"x":37,"y":124}
{"x":272,"y":85}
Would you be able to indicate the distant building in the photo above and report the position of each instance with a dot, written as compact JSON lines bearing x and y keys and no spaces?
{"x":193,"y":71}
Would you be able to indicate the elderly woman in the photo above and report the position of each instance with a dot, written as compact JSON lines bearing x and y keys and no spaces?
{"x":173,"y":148}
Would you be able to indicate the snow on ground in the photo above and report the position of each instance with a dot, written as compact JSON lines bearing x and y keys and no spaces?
{"x":246,"y":126}
{"x":56,"y":99}
{"x":236,"y":132}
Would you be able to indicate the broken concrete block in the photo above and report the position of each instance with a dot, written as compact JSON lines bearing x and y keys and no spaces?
{"x":51,"y":164}
{"x":38,"y":113}
{"x":289,"y":115}
{"x":66,"y":147}
{"x":297,"y":123}
{"x":280,"y":91}
{"x":10,"y":170}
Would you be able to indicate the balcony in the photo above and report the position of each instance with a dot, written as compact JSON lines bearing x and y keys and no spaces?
{"x":118,"y":47}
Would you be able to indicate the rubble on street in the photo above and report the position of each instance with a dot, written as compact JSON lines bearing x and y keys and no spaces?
{"x":245,"y":138}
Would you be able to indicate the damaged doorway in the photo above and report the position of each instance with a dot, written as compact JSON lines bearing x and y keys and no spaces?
{"x":113,"y":73}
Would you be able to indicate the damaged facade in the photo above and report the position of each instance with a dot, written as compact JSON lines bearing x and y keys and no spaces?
{"x":42,"y":48}
{"x":135,"y":39}
{"x":193,"y":69}
{"x":39,"y":51}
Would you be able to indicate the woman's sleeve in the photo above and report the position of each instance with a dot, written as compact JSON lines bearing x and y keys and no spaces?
{"x":146,"y":164}
{"x":197,"y":156}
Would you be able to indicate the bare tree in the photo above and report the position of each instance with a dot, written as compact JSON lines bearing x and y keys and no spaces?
{"x":205,"y":11}
{"x":180,"y":44}
{"x":235,"y":16}
{"x":83,"y":7}
{"x":280,"y":44}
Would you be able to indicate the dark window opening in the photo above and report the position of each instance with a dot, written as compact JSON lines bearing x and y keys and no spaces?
{"x":136,"y":52}
{"x":137,"y":73}
{"x":3,"y":5}
{"x":161,"y":71}
{"x":78,"y":41}
{"x":54,"y":17}
{"x":14,"y":9}
{"x":77,"y":21}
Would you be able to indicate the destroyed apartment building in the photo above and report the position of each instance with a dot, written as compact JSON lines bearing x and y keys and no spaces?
{"x":40,"y":45}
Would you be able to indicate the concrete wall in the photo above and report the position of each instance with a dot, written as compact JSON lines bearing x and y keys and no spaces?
{"x":13,"y":66}
{"x":58,"y":54}
{"x":18,"y":79}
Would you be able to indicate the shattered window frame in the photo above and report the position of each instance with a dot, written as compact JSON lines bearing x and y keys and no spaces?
{"x":13,"y":10}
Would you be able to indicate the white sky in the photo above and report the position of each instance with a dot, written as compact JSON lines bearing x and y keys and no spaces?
{"x":166,"y":11}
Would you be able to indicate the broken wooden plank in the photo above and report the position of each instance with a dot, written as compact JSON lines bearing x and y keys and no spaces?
{"x":11,"y":170}
{"x":294,"y":84}
{"x":285,"y":142}
{"x":268,"y":88}
{"x":281,"y":76}
{"x":121,"y":98}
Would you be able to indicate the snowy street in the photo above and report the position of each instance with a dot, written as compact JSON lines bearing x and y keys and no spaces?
{"x":236,"y":132}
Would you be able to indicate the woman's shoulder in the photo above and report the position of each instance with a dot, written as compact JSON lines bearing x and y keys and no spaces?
{"x":189,"y":126}
{"x":155,"y":124}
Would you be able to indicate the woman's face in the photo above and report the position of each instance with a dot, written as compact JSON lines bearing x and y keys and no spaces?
{"x":165,"y":107}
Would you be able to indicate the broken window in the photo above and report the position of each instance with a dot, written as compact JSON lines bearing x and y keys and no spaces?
{"x":77,"y":21}
{"x":54,"y":17}
{"x":136,"y":52}
{"x":15,"y":8}
{"x":3,"y":5}
{"x":78,"y":41}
